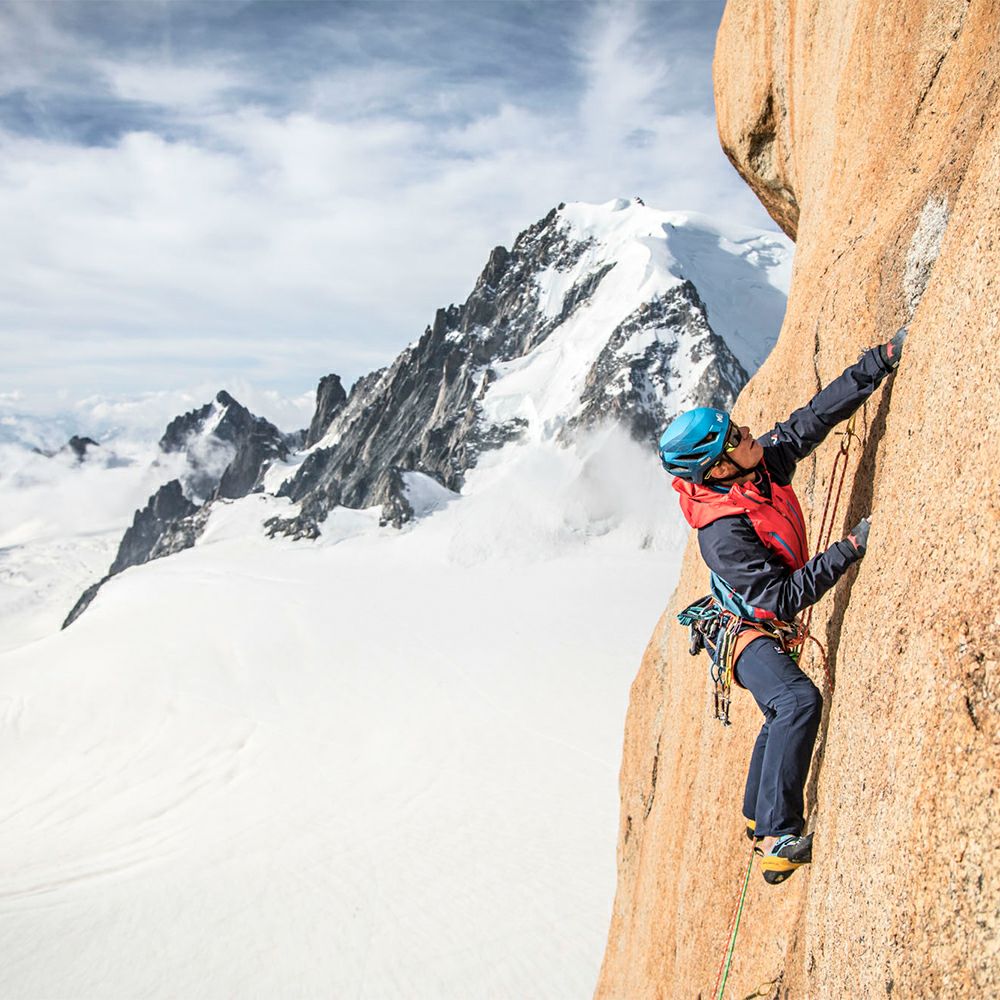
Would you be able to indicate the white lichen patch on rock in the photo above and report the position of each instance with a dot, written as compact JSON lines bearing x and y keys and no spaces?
{"x":924,"y":249}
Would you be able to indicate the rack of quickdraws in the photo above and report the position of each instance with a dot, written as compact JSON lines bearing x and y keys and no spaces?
{"x":712,"y":628}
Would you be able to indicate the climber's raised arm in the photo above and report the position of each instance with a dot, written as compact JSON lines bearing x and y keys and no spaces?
{"x":791,"y":440}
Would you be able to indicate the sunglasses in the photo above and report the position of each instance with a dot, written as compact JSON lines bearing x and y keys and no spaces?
{"x":734,"y":438}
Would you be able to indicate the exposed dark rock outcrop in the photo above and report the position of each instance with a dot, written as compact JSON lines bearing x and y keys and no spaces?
{"x":396,"y":509}
{"x":144,"y":539}
{"x":330,"y":400}
{"x":643,"y":366}
{"x":228,"y":450}
{"x":423,"y":412}
{"x":80,"y":445}
{"x":166,"y":505}
{"x":76,"y":444}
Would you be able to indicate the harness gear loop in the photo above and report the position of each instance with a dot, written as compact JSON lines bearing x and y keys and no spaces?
{"x":718,"y":630}
{"x":734,"y":926}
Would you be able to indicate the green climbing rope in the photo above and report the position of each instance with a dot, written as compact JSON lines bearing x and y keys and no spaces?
{"x":720,"y":982}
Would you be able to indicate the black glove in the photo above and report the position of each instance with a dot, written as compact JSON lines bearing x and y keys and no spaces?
{"x":857,"y":537}
{"x":890,"y":352}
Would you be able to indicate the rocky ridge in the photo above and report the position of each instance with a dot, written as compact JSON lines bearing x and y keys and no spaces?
{"x":429,"y":411}
{"x":227,"y":450}
{"x":871,"y":133}
{"x":642,"y":367}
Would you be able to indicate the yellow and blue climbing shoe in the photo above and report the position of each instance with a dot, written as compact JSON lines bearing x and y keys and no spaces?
{"x":751,"y":826}
{"x":788,"y":854}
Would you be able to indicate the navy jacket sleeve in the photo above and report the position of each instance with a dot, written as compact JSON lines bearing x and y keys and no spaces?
{"x":732,"y":550}
{"x":793,"y":439}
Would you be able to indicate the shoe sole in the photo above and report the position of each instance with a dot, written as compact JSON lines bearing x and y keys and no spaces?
{"x":776,"y":878}
{"x":777,"y":867}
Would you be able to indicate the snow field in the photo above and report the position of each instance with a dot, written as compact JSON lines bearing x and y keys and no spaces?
{"x":60,"y":525}
{"x":382,"y":765}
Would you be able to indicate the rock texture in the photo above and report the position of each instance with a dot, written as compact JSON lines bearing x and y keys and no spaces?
{"x":227,"y":447}
{"x":421,"y":413}
{"x":330,"y":399}
{"x":153,"y":533}
{"x":641,"y":367}
{"x":871,"y":133}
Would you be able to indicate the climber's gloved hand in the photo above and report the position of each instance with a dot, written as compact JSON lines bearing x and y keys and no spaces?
{"x":857,"y":537}
{"x":892,"y":351}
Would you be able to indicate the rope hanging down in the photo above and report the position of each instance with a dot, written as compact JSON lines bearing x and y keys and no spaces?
{"x":734,"y":926}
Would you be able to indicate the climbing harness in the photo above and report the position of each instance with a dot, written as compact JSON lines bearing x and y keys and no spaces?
{"x":734,"y":926}
{"x":716,"y":629}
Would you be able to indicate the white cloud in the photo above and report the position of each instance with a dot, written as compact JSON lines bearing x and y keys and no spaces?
{"x":278,"y":246}
{"x":173,"y":86}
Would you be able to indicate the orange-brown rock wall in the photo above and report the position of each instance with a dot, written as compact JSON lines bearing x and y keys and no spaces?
{"x":870,"y":130}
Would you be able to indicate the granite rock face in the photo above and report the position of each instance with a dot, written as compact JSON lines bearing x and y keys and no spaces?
{"x":871,"y":133}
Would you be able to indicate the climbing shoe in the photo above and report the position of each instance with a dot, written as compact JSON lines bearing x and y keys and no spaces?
{"x":787,"y":854}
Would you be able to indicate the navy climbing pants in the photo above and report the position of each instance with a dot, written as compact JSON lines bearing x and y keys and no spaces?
{"x":792,"y":706}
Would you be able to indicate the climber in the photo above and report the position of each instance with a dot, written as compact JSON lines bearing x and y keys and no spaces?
{"x":736,"y":490}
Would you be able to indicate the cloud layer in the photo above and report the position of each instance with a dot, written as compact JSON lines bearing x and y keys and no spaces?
{"x":203,"y":193}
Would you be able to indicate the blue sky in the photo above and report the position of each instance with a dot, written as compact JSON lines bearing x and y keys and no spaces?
{"x":255,"y":194}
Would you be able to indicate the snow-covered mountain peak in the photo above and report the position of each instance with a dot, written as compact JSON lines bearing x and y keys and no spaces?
{"x":614,"y":312}
{"x":655,"y":250}
{"x":597,"y":314}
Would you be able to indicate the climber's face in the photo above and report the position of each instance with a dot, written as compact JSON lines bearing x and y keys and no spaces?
{"x":742,"y":454}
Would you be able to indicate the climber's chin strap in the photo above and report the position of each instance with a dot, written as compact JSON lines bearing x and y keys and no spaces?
{"x":728,"y":481}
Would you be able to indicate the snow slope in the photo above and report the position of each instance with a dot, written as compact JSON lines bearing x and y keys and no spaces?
{"x":60,"y":524}
{"x":381,"y":765}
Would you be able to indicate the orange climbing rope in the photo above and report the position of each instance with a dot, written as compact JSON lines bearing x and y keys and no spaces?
{"x":826,"y":530}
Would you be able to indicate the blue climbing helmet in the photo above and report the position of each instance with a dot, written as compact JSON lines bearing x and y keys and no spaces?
{"x":693,"y":442}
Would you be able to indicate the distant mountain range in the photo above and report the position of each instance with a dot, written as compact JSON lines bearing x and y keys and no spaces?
{"x":614,"y":312}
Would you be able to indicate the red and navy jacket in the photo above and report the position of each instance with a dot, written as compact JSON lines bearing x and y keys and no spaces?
{"x":752,"y":535}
